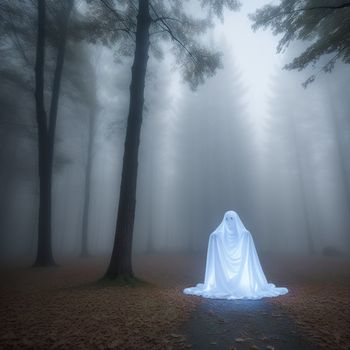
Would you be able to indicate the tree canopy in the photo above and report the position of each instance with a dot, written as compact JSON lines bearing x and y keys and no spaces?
{"x":323,"y":24}
{"x":175,"y":21}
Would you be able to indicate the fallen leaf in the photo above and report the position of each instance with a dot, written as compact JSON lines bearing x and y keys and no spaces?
{"x":239,"y":340}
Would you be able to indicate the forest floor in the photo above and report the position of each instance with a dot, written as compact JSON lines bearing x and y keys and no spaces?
{"x":67,"y":307}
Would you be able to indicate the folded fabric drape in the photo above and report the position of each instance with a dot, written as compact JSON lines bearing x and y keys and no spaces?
{"x":233,"y":269}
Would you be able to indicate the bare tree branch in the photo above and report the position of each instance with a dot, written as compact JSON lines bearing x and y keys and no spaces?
{"x":172,"y":35}
{"x":120,"y":18}
{"x":17,"y":41}
{"x":167,"y":18}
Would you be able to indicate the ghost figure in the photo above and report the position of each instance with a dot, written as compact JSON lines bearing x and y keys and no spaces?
{"x":233,"y":269}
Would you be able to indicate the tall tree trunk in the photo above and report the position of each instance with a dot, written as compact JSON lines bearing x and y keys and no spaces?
{"x":8,"y":183}
{"x":87,"y":185}
{"x":303,"y":189}
{"x":56,"y":88}
{"x":336,"y":126}
{"x":120,"y":263}
{"x":67,"y":7}
{"x":150,"y":230}
{"x":44,"y":253}
{"x":47,"y":132}
{"x":150,"y":246}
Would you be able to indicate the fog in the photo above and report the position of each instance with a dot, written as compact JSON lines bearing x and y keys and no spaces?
{"x":251,"y":139}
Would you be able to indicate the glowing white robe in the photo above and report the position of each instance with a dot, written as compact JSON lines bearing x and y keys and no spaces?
{"x":233,"y":269}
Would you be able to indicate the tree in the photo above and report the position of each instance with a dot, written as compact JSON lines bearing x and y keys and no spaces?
{"x":18,"y":46}
{"x":51,"y":22}
{"x":47,"y":127}
{"x":325,"y":24}
{"x":91,"y":96}
{"x":152,"y":209}
{"x":165,"y":20}
{"x":44,"y":255}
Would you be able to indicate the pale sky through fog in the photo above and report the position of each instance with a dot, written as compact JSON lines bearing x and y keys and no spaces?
{"x":254,"y":53}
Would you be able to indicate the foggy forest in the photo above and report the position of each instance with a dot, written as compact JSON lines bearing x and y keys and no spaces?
{"x":129,"y":128}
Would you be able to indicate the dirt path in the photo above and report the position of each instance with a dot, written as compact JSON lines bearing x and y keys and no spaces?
{"x":242,"y":324}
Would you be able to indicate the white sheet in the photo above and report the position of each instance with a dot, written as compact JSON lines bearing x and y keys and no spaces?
{"x":233,"y":269}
